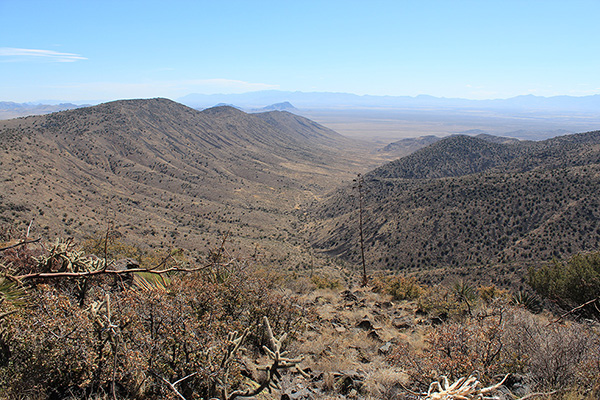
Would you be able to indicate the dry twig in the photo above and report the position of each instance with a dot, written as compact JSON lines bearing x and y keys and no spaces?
{"x":172,"y":385}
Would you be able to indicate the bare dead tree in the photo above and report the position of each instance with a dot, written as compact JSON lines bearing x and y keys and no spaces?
{"x":56,"y":275}
{"x":74,"y":264}
{"x":360,"y":186}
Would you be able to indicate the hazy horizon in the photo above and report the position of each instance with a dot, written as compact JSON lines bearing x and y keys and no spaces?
{"x":56,"y":101}
{"x":89,"y":51}
{"x":388,"y":118}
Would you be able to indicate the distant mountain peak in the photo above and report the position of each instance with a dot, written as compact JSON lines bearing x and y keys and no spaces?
{"x":283,"y":106}
{"x":223,"y":109}
{"x":227,"y":105}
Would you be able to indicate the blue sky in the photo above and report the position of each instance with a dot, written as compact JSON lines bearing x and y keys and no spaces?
{"x":105,"y":50}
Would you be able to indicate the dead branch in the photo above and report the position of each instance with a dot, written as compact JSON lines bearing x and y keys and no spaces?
{"x":29,"y":229}
{"x":408,"y":390}
{"x":164,"y":260}
{"x":172,"y":385}
{"x":173,"y":388}
{"x":108,"y":229}
{"x":464,"y":388}
{"x":573,"y":310}
{"x":23,"y":243}
{"x":55,"y":275}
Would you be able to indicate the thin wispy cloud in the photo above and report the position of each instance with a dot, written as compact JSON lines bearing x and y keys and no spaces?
{"x":15,"y":54}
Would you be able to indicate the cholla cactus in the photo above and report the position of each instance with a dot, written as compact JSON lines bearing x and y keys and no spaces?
{"x":62,"y":257}
{"x":462,"y":389}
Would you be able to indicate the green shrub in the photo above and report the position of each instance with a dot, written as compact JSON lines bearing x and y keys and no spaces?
{"x":570,"y":284}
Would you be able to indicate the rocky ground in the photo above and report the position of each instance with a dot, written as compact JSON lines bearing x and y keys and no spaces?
{"x":346,"y":344}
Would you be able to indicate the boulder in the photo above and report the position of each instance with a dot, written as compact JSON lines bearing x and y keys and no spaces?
{"x":385,"y":349}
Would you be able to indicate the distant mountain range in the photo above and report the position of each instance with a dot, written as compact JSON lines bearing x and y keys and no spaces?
{"x":385,"y":119}
{"x":168,"y":175}
{"x":346,"y":100}
{"x":388,"y":118}
{"x":9,"y":109}
{"x":282,"y":100}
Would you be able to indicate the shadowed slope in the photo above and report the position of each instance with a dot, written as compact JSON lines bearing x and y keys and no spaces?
{"x":465,"y":203}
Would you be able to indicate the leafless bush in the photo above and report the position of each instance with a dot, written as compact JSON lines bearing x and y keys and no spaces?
{"x":505,"y":340}
{"x":553,"y":355}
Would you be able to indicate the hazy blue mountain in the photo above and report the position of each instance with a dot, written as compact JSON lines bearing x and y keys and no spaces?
{"x":284,"y":106}
{"x":347,"y":100}
{"x":9,"y":109}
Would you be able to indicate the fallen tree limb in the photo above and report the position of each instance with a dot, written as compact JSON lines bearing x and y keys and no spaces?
{"x":23,"y":243}
{"x":85,"y":274}
{"x":573,"y":310}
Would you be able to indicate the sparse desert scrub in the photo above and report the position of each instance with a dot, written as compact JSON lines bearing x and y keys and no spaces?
{"x":143,"y":338}
{"x":325,"y":281}
{"x":129,"y":340}
{"x":439,"y":301}
{"x":300,"y":284}
{"x":492,"y":293}
{"x":562,"y":355}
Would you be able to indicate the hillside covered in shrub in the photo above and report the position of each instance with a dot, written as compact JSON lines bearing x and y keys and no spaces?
{"x":467,"y":202}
